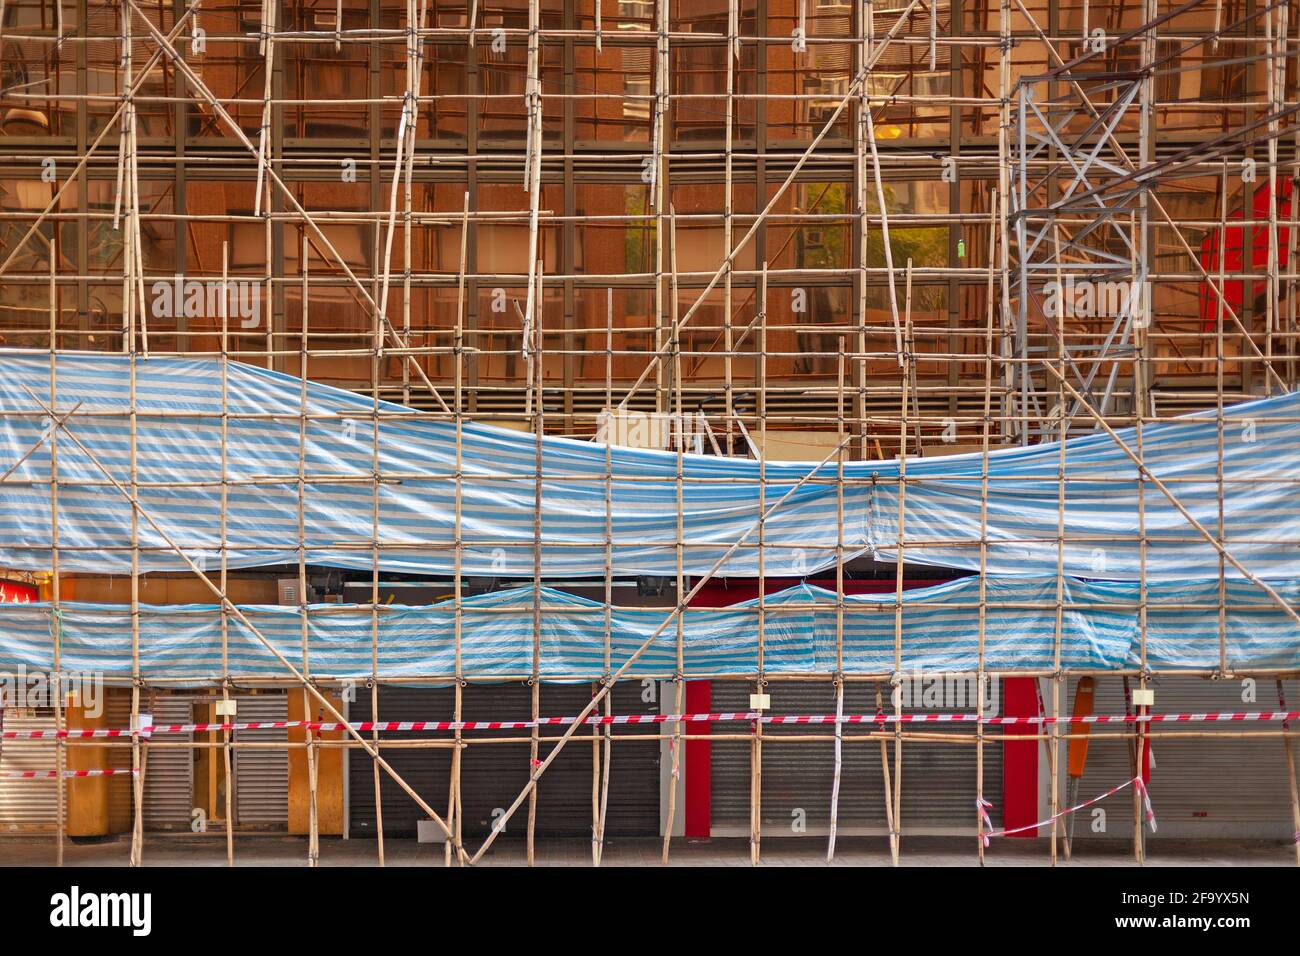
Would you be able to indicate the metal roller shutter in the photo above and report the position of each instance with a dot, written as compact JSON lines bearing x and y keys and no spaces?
{"x":169,"y":771}
{"x":262,"y":776}
{"x":28,"y":804}
{"x":33,"y":804}
{"x":493,"y":774}
{"x":1215,"y":788}
{"x":939,"y":779}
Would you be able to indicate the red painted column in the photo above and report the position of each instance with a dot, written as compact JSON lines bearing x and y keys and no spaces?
{"x":1020,"y":757}
{"x":698,"y":756}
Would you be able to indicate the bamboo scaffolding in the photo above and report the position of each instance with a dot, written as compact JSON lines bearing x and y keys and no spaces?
{"x":882,"y":371}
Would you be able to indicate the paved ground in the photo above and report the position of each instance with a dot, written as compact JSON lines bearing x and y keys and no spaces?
{"x":809,"y":851}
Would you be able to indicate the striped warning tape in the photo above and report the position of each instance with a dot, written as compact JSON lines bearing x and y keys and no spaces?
{"x":48,"y":774}
{"x":425,"y":725}
{"x":1146,"y":803}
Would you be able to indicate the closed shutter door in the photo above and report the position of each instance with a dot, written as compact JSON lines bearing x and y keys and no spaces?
{"x":169,"y":771}
{"x":28,"y":804}
{"x":262,"y":775}
{"x":493,"y":774}
{"x":1234,"y":787}
{"x":939,"y":779}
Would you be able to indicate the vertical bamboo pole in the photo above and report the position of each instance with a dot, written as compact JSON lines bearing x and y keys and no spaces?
{"x":266,"y":47}
{"x":262,"y":191}
{"x":1062,"y":426}
{"x":1140,"y":409}
{"x":595,"y":785}
{"x":986,"y":425}
{"x":139,"y":750}
{"x":678,"y":419}
{"x":1290,"y":770}
{"x":417,"y":56}
{"x":863,"y":148}
{"x":313,"y":819}
{"x":534,"y":314}
{"x":728,"y":213}
{"x":1011,"y":378}
{"x":839,"y":601}
{"x":1293,"y":242}
{"x":884,"y":236}
{"x":865,"y":31}
{"x":1141,"y":390}
{"x":605,"y":420}
{"x":756,"y":747}
{"x":1141,"y":387}
{"x":376,"y":357}
{"x":453,"y":795}
{"x":887,"y":779}
{"x":226,"y":735}
{"x":539,"y":424}
{"x":126,"y":194}
{"x":1220,"y":423}
{"x":137,"y":246}
{"x":607,"y":637}
{"x":1275,"y":89}
{"x":658,"y":191}
{"x":56,"y":679}
{"x":906,"y":359}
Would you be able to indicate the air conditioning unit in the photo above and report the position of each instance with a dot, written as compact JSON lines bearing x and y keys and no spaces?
{"x":288,"y":593}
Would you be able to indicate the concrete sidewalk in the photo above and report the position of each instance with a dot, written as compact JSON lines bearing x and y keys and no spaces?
{"x":186,"y":850}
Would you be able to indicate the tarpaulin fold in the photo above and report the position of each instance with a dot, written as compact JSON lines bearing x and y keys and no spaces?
{"x":178,"y":404}
{"x":940,"y":631}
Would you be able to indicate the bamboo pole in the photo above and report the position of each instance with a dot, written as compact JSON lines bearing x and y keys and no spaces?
{"x":377,"y":346}
{"x":982,"y":676}
{"x":1062,"y":426}
{"x":458,"y":398}
{"x":56,"y":631}
{"x":313,"y":751}
{"x":224,"y":580}
{"x":760,"y":683}
{"x":839,"y":604}
{"x":906,"y":359}
{"x":679,"y":581}
{"x":607,"y":649}
{"x":1290,"y":772}
{"x":539,"y":427}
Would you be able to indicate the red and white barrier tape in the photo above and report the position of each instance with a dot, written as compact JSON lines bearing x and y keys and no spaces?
{"x":424,"y":725}
{"x":983,"y":806}
{"x":1146,"y":801}
{"x":50,"y":774}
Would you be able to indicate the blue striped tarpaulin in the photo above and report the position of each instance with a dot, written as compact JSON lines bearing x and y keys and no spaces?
{"x":178,"y":403}
{"x":940,"y":631}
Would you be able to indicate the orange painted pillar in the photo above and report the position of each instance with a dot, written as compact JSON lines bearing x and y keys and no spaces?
{"x":329,"y":770}
{"x":87,"y":797}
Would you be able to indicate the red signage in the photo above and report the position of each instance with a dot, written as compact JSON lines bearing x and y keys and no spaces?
{"x":12,"y":592}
